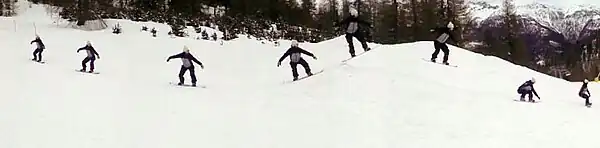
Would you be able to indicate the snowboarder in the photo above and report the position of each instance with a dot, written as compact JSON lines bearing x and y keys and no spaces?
{"x":37,"y":53}
{"x":353,"y":30}
{"x":186,"y":59}
{"x":527,"y":89}
{"x":295,"y":58}
{"x":91,"y":56}
{"x":440,"y":42}
{"x":585,"y":93}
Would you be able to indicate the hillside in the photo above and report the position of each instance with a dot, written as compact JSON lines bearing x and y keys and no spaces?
{"x":386,"y":98}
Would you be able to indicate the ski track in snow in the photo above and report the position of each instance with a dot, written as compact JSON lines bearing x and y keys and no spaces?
{"x":386,"y":98}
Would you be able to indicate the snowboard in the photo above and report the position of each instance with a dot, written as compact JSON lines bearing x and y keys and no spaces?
{"x":428,"y":60}
{"x":304,"y":77}
{"x":357,"y":55}
{"x":526,"y":101}
{"x":95,"y":72}
{"x":41,"y":62}
{"x":187,"y":85}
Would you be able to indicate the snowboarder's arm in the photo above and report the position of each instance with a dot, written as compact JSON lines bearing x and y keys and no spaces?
{"x":196,"y":60}
{"x":364,"y":22}
{"x":287,"y":53}
{"x":175,"y":56}
{"x":94,"y":51}
{"x":307,"y":53}
{"x":82,"y":48}
{"x":534,"y":92}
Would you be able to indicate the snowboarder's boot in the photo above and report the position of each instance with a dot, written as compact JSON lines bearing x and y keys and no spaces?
{"x":433,"y":60}
{"x":531,"y":100}
{"x":522,"y":99}
{"x":82,"y":70}
{"x":194,"y":84}
{"x":368,"y":49}
{"x":446,"y":63}
{"x":91,"y":71}
{"x":309,"y":73}
{"x":295,"y":78}
{"x":353,"y":55}
{"x":179,"y":83}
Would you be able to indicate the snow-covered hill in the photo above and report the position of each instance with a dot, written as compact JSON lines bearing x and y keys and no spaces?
{"x":387,"y":98}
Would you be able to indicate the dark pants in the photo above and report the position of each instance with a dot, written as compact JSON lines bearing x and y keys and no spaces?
{"x":88,"y":59}
{"x":37,"y":54}
{"x":182,"y":72}
{"x":586,"y":97}
{"x":525,"y":92}
{"x":440,"y":46}
{"x":295,"y":70}
{"x":360,"y":38}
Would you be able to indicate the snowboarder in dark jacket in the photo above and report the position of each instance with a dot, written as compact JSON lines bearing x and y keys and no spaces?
{"x":352,"y":24}
{"x":527,"y":89}
{"x":443,"y":34}
{"x":37,"y":53}
{"x":294,"y":53}
{"x":585,"y":93}
{"x":91,"y":56}
{"x":186,"y":59}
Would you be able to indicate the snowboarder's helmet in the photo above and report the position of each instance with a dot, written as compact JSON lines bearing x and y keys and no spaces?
{"x":532,"y":80}
{"x":353,"y":12}
{"x":294,"y":43}
{"x":37,"y":36}
{"x":88,"y":43}
{"x":450,"y":25}
{"x":186,"y":49}
{"x":585,"y":81}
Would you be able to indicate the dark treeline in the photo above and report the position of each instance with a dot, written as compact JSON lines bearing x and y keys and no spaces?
{"x":394,"y":21}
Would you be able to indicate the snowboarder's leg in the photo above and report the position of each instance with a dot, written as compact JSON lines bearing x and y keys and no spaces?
{"x":193,"y":75}
{"x":522,"y":97}
{"x":294,"y":70}
{"x":530,"y":96}
{"x":362,"y":41}
{"x":181,"y":73}
{"x":306,"y":67}
{"x":350,"y":44}
{"x":83,"y":63}
{"x":436,"y":45}
{"x":40,"y":55}
{"x":92,"y":64}
{"x":35,"y":53}
{"x":446,"y":53}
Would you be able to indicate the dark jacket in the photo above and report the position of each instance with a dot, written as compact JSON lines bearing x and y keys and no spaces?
{"x":40,"y":44}
{"x":443,"y":34}
{"x":91,"y":52}
{"x":527,"y":87}
{"x":294,"y":53}
{"x":186,"y":59}
{"x":584,"y":90}
{"x":352,"y":24}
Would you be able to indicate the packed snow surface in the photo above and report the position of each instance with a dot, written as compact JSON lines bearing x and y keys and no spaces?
{"x":387,"y":98}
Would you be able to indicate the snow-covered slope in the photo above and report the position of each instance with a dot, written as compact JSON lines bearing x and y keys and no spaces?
{"x":387,"y":98}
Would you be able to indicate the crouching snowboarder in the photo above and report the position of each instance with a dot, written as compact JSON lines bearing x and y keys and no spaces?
{"x":186,"y":59}
{"x":295,"y":58}
{"x":37,"y":53}
{"x":91,"y":56}
{"x":585,"y":93}
{"x":444,"y":33}
{"x":527,"y":89}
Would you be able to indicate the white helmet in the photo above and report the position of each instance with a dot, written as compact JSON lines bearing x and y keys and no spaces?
{"x":186,"y":49}
{"x":37,"y":36}
{"x":585,"y":81}
{"x":532,"y":80}
{"x":450,"y":25}
{"x":88,"y":43}
{"x":294,"y":43}
{"x":353,"y":12}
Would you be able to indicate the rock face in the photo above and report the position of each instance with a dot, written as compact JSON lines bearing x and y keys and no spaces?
{"x":544,"y":27}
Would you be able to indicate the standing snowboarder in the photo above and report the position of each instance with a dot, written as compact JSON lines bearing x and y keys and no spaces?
{"x":585,"y":93}
{"x":37,"y":53}
{"x":186,"y":59}
{"x":527,"y":89}
{"x":91,"y":56}
{"x":295,"y":58}
{"x":443,"y":33}
{"x":352,"y":24}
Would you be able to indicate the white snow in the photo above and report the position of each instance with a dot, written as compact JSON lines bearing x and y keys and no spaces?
{"x":388,"y":98}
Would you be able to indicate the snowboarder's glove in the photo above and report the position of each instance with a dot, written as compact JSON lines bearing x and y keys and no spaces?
{"x":202,"y":66}
{"x":168,"y":60}
{"x":278,"y":64}
{"x":314,"y":57}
